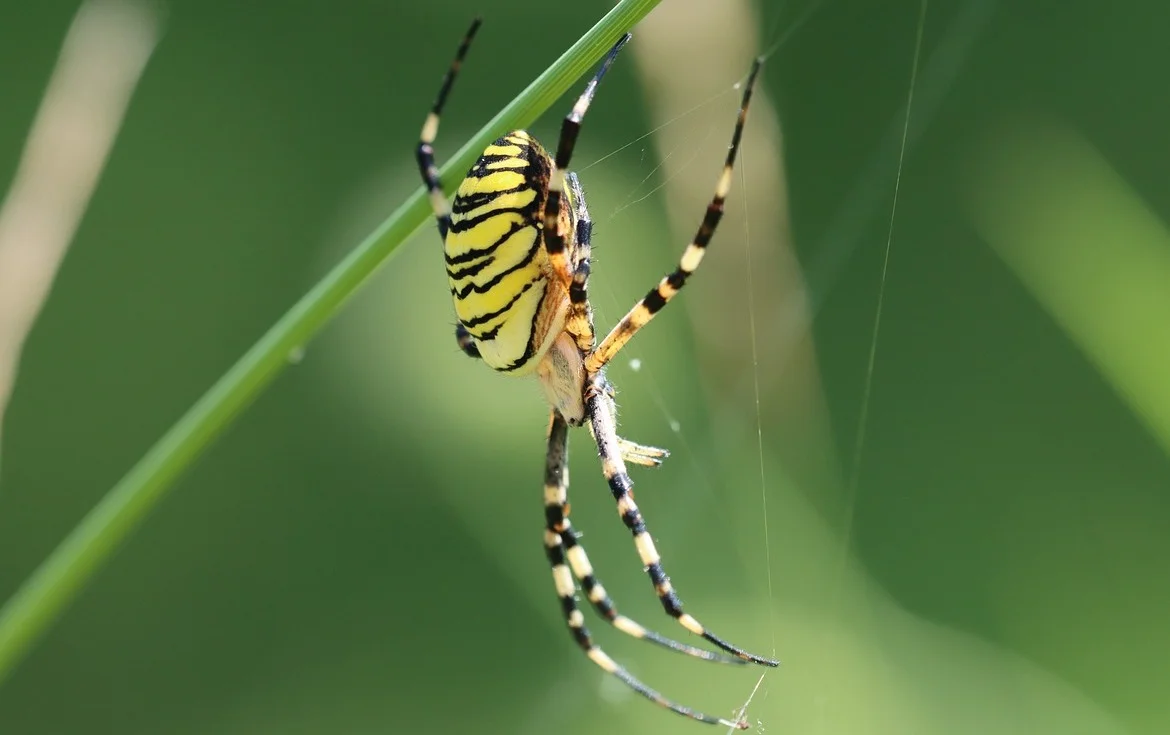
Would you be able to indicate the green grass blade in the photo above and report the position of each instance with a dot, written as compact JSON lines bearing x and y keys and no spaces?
{"x":59,"y":578}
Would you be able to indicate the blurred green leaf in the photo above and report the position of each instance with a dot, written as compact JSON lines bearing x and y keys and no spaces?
{"x":1083,"y":241}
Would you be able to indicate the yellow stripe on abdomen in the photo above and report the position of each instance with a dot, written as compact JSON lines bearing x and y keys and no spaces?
{"x":496,"y":263}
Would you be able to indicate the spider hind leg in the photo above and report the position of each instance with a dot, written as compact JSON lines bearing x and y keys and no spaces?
{"x":568,"y":560}
{"x":600,"y":407}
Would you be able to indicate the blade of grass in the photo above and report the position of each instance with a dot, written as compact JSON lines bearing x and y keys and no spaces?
{"x":60,"y":577}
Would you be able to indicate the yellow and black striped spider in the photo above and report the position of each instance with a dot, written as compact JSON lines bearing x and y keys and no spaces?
{"x":516,"y":240}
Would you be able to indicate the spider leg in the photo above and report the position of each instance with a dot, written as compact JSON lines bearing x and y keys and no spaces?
{"x":565,"y":556}
{"x":425,"y":153}
{"x":579,"y":322}
{"x":554,"y":239}
{"x":604,"y":605}
{"x":556,"y":510}
{"x":600,"y":407}
{"x":666,"y":289}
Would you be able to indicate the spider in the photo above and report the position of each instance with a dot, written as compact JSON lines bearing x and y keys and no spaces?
{"x":516,"y":240}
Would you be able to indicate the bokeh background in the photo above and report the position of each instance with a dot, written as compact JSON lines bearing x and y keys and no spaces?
{"x":361,"y":552}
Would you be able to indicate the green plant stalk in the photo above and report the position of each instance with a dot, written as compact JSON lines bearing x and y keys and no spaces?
{"x":61,"y":576}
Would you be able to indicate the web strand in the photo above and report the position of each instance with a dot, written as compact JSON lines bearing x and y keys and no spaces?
{"x":756,"y":387}
{"x":867,"y":392}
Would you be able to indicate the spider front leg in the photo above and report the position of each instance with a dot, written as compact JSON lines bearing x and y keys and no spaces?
{"x":669,"y":286}
{"x":600,"y":408}
{"x":554,"y":239}
{"x":568,"y":559}
{"x":425,"y":153}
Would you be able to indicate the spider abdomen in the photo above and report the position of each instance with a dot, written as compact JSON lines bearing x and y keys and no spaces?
{"x":497,"y":266}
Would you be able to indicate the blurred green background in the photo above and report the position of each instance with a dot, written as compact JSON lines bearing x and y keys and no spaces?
{"x":361,"y":552}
